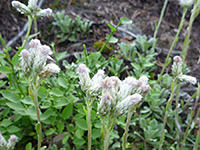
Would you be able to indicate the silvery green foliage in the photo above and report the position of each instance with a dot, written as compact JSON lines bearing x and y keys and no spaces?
{"x":31,"y":9}
{"x":177,"y":71}
{"x":88,"y":85}
{"x":33,"y":60}
{"x":186,"y":3}
{"x":10,"y":145}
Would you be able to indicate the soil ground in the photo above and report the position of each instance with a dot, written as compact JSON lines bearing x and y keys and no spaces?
{"x":144,"y":13}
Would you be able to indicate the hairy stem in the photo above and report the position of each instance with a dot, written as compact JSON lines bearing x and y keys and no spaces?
{"x":125,"y":135}
{"x":173,"y":88}
{"x":89,"y":125}
{"x":174,"y":43}
{"x":159,"y":22}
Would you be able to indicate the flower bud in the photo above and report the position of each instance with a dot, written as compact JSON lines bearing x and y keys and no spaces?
{"x":128,"y":103}
{"x":127,"y":87}
{"x":96,"y":81}
{"x":110,"y":84}
{"x":44,"y":13}
{"x":48,"y":69}
{"x":12,"y":142}
{"x":34,"y":43}
{"x":45,"y":50}
{"x":189,"y":79}
{"x":145,"y":89}
{"x":186,"y":3}
{"x":144,"y":79}
{"x":104,"y":105}
{"x":84,"y":77}
{"x":22,"y":8}
{"x":32,"y":4}
{"x":3,"y":143}
{"x":25,"y":54}
{"x":177,"y":66}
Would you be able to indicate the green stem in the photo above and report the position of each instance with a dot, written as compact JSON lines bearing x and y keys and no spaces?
{"x":30,"y":20}
{"x":89,"y":108}
{"x":191,"y":118}
{"x":107,"y":133}
{"x":176,"y":112}
{"x":109,"y":37}
{"x":173,"y":88}
{"x":125,"y":135}
{"x":35,"y":25}
{"x":193,"y":16}
{"x":160,"y":20}
{"x":174,"y":43}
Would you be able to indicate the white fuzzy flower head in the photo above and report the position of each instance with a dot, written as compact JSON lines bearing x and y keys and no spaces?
{"x":128,"y":103}
{"x":104,"y":106}
{"x":177,"y":66}
{"x":186,"y":3}
{"x":3,"y":143}
{"x":84,"y":77}
{"x":34,"y":43}
{"x":49,"y":69}
{"x":145,"y":89}
{"x":127,"y":87}
{"x":96,"y":81}
{"x":22,"y":8}
{"x":32,"y":4}
{"x":144,"y":80}
{"x":111,"y":84}
{"x":25,"y":62}
{"x":44,"y":13}
{"x":12,"y":142}
{"x":189,"y":79}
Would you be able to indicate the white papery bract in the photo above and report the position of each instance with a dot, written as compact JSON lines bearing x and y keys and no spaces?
{"x":144,"y":80}
{"x":12,"y":142}
{"x":44,"y":13}
{"x":96,"y":81}
{"x":127,"y":87}
{"x":189,"y":79}
{"x":22,"y":8}
{"x":104,"y":105}
{"x":84,"y":77}
{"x":33,"y":60}
{"x":32,"y":4}
{"x":177,"y":66}
{"x":186,"y":3}
{"x":128,"y":103}
{"x":3,"y":143}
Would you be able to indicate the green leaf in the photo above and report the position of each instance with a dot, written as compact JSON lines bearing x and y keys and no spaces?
{"x":136,"y":66}
{"x":29,"y":146}
{"x":13,"y":129}
{"x":50,"y":131}
{"x":67,"y":111}
{"x":5,"y":123}
{"x":2,"y":41}
{"x":65,"y":139}
{"x":56,"y":92}
{"x":111,"y":26}
{"x":6,"y":70}
{"x":62,"y":82}
{"x":60,"y":56}
{"x":61,"y":102}
{"x":112,"y":39}
{"x":60,"y":126}
{"x":79,"y":133}
{"x":27,"y":100}
{"x":126,"y":21}
{"x":42,"y":92}
{"x":2,"y":83}
{"x":47,"y":114}
{"x":96,"y":133}
{"x":72,"y":99}
{"x":82,"y":124}
{"x":15,"y":106}
{"x":11,"y":96}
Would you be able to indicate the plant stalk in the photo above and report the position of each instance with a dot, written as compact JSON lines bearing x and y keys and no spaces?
{"x":89,"y":108}
{"x":108,"y":130}
{"x":125,"y":135}
{"x":30,"y":20}
{"x":173,"y":88}
{"x":174,"y":43}
{"x":159,"y":22}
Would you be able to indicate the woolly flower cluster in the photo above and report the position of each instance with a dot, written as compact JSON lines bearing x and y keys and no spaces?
{"x":117,"y":96}
{"x":33,"y":60}
{"x":177,"y":71}
{"x":31,"y":9}
{"x":186,"y":3}
{"x":10,"y":144}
